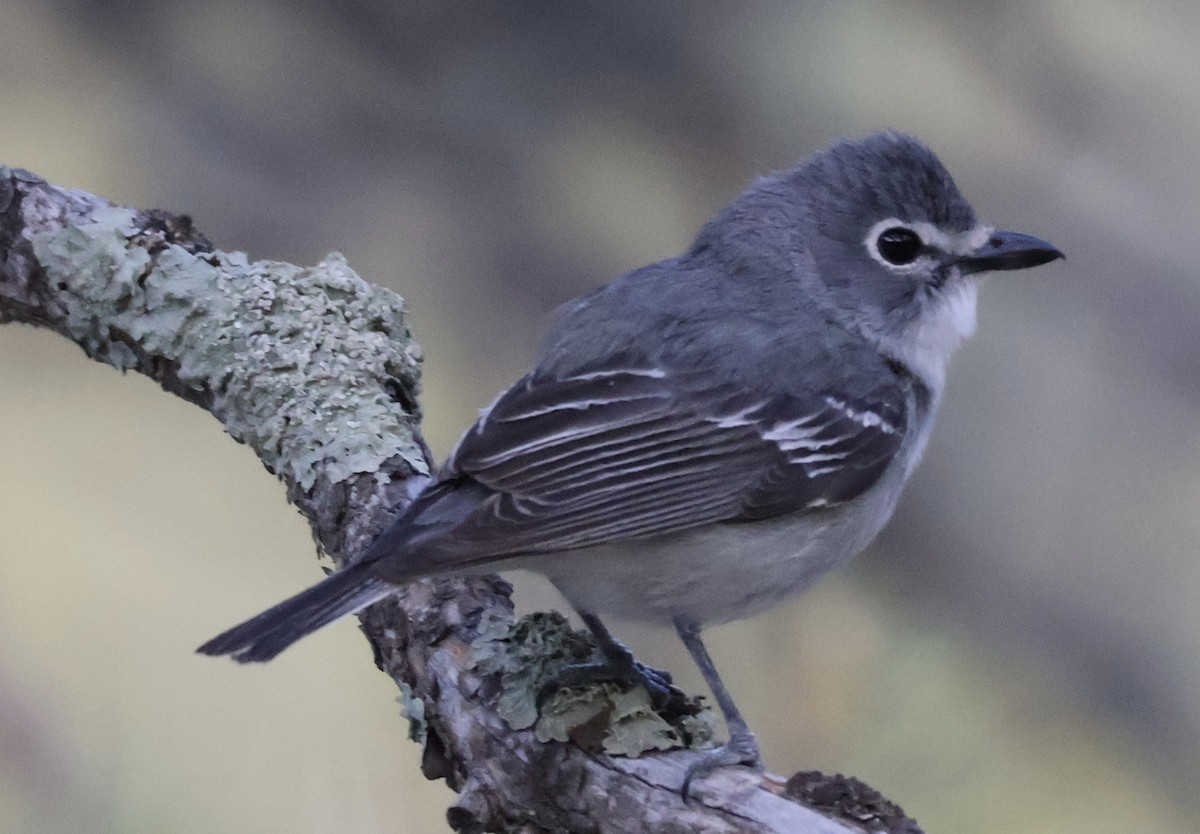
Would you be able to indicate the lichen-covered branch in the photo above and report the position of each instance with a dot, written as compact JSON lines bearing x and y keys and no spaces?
{"x":316,"y":370}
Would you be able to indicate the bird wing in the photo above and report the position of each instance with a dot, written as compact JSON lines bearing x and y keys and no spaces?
{"x":625,"y":451}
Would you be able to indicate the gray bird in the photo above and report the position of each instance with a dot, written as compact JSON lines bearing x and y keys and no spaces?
{"x":708,"y":435}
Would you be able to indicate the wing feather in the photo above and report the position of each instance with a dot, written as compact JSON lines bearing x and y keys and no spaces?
{"x":626,"y":452}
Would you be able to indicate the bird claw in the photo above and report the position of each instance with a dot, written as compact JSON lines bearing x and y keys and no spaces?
{"x":659,"y":684}
{"x":741,"y":749}
{"x":624,"y":671}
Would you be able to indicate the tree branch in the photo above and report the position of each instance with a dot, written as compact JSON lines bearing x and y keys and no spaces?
{"x":317,"y":371}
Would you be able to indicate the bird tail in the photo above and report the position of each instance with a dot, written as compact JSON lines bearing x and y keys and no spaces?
{"x":263,"y":637}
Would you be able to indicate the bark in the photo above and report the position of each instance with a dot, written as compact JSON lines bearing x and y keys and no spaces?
{"x":317,"y":371}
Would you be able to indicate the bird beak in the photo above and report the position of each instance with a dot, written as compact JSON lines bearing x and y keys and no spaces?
{"x":1009,"y":250}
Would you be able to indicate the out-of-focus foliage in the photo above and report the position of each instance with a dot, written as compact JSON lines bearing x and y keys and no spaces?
{"x":1019,"y":652}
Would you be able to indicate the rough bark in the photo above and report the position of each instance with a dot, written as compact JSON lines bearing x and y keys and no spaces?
{"x":317,"y":371}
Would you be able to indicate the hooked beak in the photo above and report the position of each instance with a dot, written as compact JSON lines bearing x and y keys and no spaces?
{"x":1009,"y":250}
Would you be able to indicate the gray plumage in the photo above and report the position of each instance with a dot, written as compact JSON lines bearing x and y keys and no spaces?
{"x":709,"y":434}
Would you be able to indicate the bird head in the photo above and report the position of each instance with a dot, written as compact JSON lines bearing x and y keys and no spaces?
{"x":896,"y":251}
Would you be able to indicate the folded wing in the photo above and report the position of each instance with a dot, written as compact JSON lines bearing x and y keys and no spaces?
{"x":630,"y":450}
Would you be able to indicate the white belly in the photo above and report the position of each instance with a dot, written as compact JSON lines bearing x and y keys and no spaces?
{"x":718,"y":573}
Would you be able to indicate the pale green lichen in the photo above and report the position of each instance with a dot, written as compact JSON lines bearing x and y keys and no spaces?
{"x":299,"y":362}
{"x":412,"y":707}
{"x":527,"y":654}
{"x":635,"y":727}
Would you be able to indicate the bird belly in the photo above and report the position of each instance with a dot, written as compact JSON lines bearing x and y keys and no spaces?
{"x":714,"y":574}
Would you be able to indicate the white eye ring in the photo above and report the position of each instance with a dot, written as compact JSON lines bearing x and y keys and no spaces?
{"x":897,"y":245}
{"x":961,"y":243}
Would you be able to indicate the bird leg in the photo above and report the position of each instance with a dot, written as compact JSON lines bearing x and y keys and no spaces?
{"x":742,"y":747}
{"x":616,"y":664}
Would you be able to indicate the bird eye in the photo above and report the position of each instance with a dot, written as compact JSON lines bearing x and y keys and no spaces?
{"x":898,"y":245}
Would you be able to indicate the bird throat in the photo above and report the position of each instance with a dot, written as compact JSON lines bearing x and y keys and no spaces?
{"x":926,"y":343}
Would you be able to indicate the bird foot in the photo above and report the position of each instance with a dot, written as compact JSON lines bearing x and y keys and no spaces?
{"x":741,"y":749}
{"x":623,"y":670}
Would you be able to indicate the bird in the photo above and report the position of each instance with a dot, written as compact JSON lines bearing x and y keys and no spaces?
{"x":706,"y":436}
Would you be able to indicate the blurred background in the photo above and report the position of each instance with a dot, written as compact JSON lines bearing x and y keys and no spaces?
{"x":1019,"y":652}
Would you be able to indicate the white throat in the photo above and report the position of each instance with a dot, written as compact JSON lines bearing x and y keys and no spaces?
{"x":925,"y":346}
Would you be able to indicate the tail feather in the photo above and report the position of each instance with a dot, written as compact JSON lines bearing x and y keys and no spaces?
{"x":263,"y":637}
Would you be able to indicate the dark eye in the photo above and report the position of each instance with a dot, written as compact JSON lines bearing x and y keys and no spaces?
{"x":898,"y":245}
